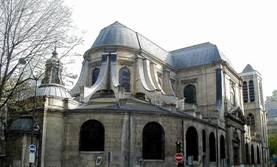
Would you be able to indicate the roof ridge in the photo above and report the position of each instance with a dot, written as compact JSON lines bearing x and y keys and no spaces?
{"x":193,"y":47}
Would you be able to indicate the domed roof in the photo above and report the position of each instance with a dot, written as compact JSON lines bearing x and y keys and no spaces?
{"x":116,"y":34}
{"x":53,"y":90}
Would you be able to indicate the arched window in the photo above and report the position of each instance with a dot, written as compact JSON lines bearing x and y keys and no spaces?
{"x":251,"y":91}
{"x":153,"y":141}
{"x":190,"y":94}
{"x":94,"y":76}
{"x":247,"y":153}
{"x":222,"y":147}
{"x":92,"y":136}
{"x":124,"y":78}
{"x":245,"y":92}
{"x":204,"y":140}
{"x":252,"y":155}
{"x":258,"y":155}
{"x":250,"y":120}
{"x":212,"y":147}
{"x":192,"y":143}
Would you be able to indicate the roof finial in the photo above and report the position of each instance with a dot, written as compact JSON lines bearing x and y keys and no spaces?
{"x":54,"y":53}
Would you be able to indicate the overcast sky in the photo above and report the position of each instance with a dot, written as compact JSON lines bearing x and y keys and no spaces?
{"x":244,"y":30}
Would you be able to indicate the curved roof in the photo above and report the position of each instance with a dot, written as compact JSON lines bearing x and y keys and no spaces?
{"x":118,"y":34}
{"x":52,"y":90}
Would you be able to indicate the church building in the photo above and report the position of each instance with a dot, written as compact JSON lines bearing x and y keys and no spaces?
{"x":137,"y":105}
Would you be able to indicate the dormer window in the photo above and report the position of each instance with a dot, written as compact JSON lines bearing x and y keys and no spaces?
{"x":124,"y":78}
{"x":94,"y":76}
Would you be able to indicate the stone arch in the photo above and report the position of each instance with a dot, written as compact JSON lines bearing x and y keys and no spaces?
{"x":153,"y":141}
{"x":192,"y":143}
{"x":92,"y":136}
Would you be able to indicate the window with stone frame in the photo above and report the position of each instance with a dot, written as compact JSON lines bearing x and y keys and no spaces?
{"x":92,"y":136}
{"x":124,"y":78}
{"x":245,"y":91}
{"x":250,"y":120}
{"x":94,"y":75}
{"x":153,"y":141}
{"x":190,"y":94}
{"x":251,"y":91}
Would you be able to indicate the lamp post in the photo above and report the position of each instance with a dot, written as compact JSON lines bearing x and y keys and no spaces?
{"x":35,"y":126}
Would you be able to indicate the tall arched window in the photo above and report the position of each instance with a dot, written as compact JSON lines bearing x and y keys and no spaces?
{"x":153,"y":141}
{"x":204,"y":140}
{"x":250,"y":120}
{"x":92,"y":136}
{"x":94,"y":76}
{"x":247,"y":153}
{"x":190,"y":94}
{"x":124,"y":78}
{"x":258,"y":155}
{"x":222,"y":147}
{"x":252,"y":155}
{"x":212,"y":147}
{"x":251,"y":91}
{"x":192,"y":143}
{"x":245,"y":92}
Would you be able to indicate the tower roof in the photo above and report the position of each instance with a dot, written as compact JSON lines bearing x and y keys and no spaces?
{"x":248,"y":68}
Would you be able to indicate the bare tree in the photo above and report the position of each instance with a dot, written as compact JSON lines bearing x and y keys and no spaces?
{"x":29,"y":29}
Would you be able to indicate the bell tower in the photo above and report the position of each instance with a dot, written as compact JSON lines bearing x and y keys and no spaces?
{"x":254,"y":110}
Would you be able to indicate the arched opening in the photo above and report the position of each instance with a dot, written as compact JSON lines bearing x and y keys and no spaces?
{"x":204,"y":140}
{"x":245,"y":92}
{"x":190,"y":94}
{"x":94,"y":76}
{"x":192,"y":143}
{"x":247,"y":153}
{"x":222,"y":147}
{"x":258,"y":155}
{"x":153,"y":141}
{"x":212,"y":147}
{"x":92,"y":136}
{"x":252,"y":155}
{"x":124,"y":78}
{"x":251,"y":91}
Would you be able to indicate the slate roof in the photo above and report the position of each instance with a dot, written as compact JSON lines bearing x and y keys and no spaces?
{"x":197,"y":55}
{"x":118,"y":34}
{"x":248,"y":68}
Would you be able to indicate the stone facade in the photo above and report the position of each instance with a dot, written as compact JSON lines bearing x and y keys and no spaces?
{"x":130,"y":91}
